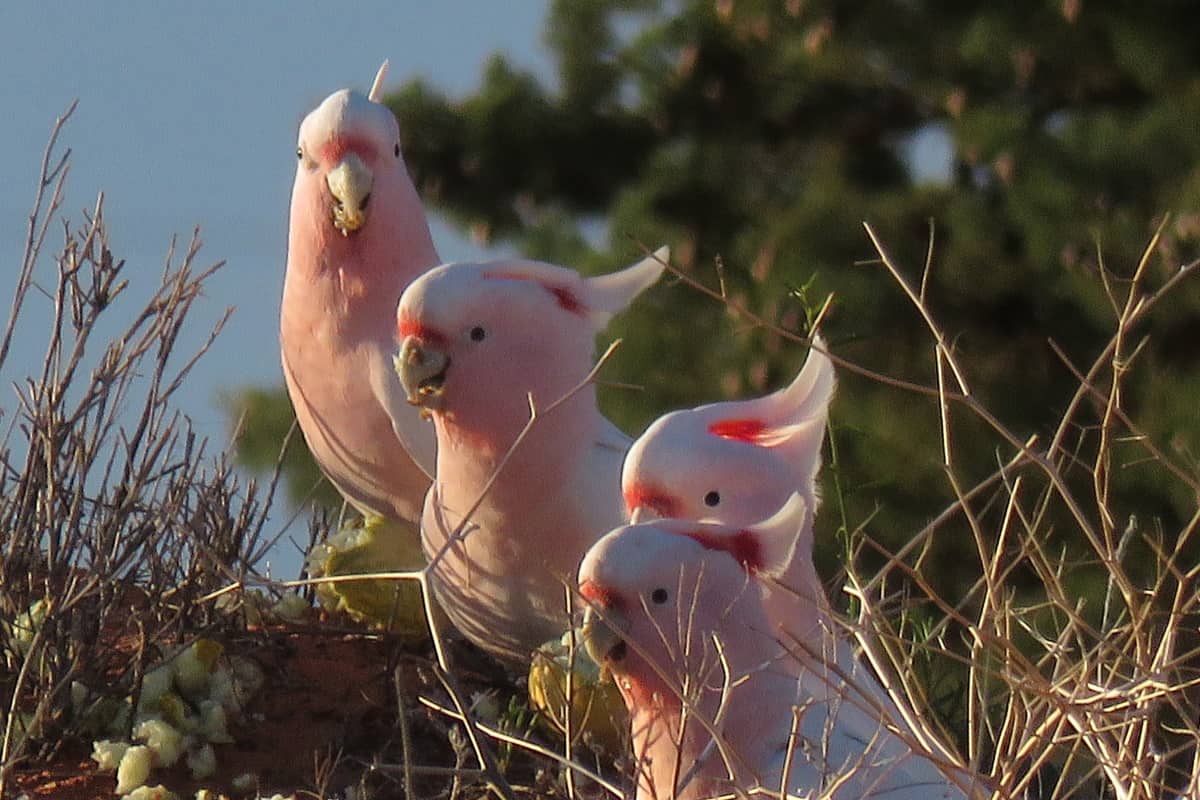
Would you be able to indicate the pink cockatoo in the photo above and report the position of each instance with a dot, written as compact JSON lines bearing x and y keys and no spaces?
{"x":479,"y":341}
{"x":357,"y":237}
{"x":736,"y":462}
{"x":716,"y":698}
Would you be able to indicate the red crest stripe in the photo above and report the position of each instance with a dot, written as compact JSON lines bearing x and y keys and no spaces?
{"x":743,"y":546}
{"x":566,"y":299}
{"x":741,"y":430}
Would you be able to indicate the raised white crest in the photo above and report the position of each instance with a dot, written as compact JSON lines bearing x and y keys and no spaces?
{"x":376,"y":95}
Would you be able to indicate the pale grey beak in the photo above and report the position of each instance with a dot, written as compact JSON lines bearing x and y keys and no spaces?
{"x":422,"y":370}
{"x":350,"y":184}
{"x":603,"y":636}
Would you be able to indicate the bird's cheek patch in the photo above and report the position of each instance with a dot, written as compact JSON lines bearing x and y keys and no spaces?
{"x":640,"y":495}
{"x":599,"y":596}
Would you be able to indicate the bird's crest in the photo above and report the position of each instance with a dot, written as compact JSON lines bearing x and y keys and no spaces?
{"x":376,"y":93}
{"x":791,"y":420}
{"x":566,"y":298}
{"x":755,"y":431}
{"x":608,"y":295}
{"x":598,"y":298}
{"x":763,"y":549}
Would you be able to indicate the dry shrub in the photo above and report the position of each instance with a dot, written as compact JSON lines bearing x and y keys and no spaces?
{"x":1069,"y":667}
{"x":113,"y":519}
{"x":105,"y":491}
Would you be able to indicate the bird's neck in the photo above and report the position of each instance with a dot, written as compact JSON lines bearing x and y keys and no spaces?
{"x":362,"y":274}
{"x":760,"y":715}
{"x":795,"y":601}
{"x":677,"y":754}
{"x":476,"y":435}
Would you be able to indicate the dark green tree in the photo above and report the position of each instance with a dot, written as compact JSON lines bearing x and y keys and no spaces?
{"x":1041,"y":141}
{"x":1029,"y":149}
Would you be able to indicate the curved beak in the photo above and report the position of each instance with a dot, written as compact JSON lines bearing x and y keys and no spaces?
{"x":639,"y":514}
{"x":350,"y":184}
{"x":604,"y":635}
{"x":422,"y":370}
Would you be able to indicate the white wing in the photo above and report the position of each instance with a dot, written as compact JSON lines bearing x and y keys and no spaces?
{"x":845,"y":736}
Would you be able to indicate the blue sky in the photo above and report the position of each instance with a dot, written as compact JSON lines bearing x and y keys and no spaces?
{"x":187,"y":116}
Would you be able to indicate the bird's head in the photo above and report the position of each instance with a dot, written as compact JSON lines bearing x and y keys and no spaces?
{"x":661,"y":593}
{"x":349,"y":156}
{"x":732,"y":462}
{"x":478,"y":338}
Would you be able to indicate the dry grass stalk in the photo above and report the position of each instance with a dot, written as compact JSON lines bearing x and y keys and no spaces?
{"x":103,"y":487}
{"x":1100,"y":686}
{"x":108,"y":503}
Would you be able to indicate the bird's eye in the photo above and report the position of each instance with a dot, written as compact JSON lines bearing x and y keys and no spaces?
{"x":299,"y":152}
{"x":478,"y":334}
{"x":712,"y":499}
{"x":396,"y":150}
{"x":659,"y":596}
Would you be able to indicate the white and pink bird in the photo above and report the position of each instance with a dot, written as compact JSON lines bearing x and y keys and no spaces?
{"x":716,"y":696}
{"x":480,"y":340}
{"x":738,"y":462}
{"x":357,"y":237}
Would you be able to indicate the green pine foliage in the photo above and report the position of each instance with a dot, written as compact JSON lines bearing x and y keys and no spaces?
{"x":263,"y":421}
{"x":754,"y":136}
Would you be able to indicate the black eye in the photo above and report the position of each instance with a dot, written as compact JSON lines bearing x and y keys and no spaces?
{"x":396,"y":150}
{"x":478,"y":334}
{"x":299,"y":153}
{"x":659,"y":596}
{"x":712,"y":499}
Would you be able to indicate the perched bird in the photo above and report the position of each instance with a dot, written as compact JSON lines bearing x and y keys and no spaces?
{"x":737,"y":462}
{"x":716,"y":700}
{"x":480,"y":340}
{"x":357,"y":237}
